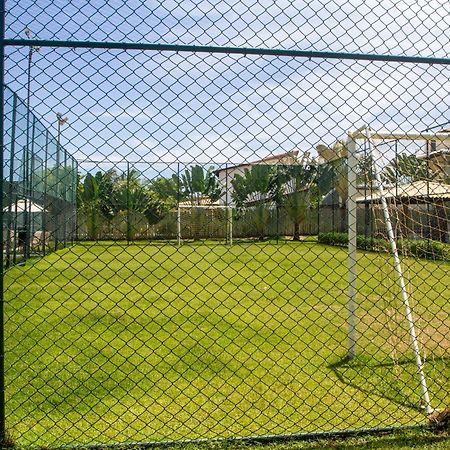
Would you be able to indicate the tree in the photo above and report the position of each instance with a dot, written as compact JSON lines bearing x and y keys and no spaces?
{"x":255,"y":190}
{"x":90,"y":204}
{"x":166,"y":189}
{"x":196,"y":185}
{"x":406,"y":168}
{"x":199,"y":187}
{"x":296,"y":181}
{"x":334,"y":172}
{"x":106,"y":185}
{"x":138,"y":202}
{"x":108,"y":195}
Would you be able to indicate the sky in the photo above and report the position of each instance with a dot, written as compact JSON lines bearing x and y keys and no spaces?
{"x":169,"y":108}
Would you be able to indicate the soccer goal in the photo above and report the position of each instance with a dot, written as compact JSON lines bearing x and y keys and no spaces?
{"x":399,"y":182}
{"x":204,"y":222}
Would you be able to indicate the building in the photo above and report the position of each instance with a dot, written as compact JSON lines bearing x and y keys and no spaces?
{"x":226,"y":174}
{"x":438,"y":155}
{"x":419,"y":210}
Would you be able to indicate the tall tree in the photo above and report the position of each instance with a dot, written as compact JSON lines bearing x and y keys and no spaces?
{"x":255,"y":190}
{"x":137,"y":202}
{"x":334,"y":170}
{"x":197,"y":185}
{"x":166,"y":189}
{"x":405,"y":168}
{"x":296,"y":181}
{"x":90,"y":205}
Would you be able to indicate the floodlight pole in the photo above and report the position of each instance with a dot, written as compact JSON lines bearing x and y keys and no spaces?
{"x":398,"y":268}
{"x":28,"y":160}
{"x":352,"y":232}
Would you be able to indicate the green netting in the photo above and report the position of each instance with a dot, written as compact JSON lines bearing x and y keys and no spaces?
{"x":39,"y":186}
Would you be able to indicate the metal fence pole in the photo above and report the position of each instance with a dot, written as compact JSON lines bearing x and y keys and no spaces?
{"x":128,"y":203}
{"x":2,"y":275}
{"x":58,"y":161}
{"x":44,"y":203}
{"x":10,"y":235}
{"x":65,"y":200}
{"x":178,"y":207}
{"x":30,"y":194}
{"x":352,"y":262}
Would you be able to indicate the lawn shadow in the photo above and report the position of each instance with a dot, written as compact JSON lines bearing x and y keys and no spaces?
{"x":386,"y":379}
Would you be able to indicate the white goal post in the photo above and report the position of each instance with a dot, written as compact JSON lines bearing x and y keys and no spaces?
{"x":229,"y":219}
{"x":370,"y":137}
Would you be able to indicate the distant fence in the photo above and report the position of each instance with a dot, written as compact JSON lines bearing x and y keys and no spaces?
{"x":211,"y":224}
{"x":417,"y":222}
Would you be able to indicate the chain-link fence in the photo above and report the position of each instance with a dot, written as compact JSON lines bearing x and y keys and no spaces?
{"x":39,"y":186}
{"x":233,"y":220}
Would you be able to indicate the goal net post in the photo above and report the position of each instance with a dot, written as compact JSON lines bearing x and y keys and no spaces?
{"x":395,"y":169}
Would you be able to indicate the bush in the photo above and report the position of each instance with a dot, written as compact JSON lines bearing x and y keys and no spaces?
{"x":333,"y":238}
{"x":427,"y":249}
{"x":433,"y":250}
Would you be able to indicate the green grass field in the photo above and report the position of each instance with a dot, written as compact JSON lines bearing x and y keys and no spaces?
{"x":109,"y":342}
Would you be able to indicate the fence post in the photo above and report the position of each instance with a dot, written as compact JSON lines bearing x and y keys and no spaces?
{"x":128,"y":202}
{"x":352,"y":262}
{"x":10,"y":235}
{"x":178,"y":207}
{"x":65,"y":208}
{"x":57,"y":171}
{"x":2,"y":318}
{"x":44,"y":203}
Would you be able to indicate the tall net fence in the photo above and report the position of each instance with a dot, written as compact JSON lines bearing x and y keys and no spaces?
{"x":39,"y":186}
{"x":232,"y":220}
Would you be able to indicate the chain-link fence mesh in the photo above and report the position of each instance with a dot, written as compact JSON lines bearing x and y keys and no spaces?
{"x":245,"y":239}
{"x":39,"y":186}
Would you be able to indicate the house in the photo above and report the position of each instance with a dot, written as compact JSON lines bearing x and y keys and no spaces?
{"x":226,"y":174}
{"x":437,"y":153}
{"x":420,"y":210}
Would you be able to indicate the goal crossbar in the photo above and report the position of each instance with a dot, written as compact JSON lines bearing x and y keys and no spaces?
{"x":404,"y":136}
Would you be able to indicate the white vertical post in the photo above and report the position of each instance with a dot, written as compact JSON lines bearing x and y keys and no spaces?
{"x":398,"y":268}
{"x":179,"y":225}
{"x":352,"y":261}
{"x":230,"y":224}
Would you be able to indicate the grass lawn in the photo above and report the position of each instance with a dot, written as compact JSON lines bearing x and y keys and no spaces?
{"x":109,"y":342}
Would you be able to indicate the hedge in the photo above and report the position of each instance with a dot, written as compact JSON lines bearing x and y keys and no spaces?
{"x":427,"y":249}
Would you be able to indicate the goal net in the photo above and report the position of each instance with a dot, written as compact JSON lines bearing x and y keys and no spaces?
{"x":399,"y":220}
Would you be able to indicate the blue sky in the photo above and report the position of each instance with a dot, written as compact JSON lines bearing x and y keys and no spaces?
{"x":216,"y":109}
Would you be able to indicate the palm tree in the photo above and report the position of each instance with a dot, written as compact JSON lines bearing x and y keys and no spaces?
{"x":334,"y":171}
{"x":197,"y":186}
{"x":406,"y":169}
{"x":256,"y":190}
{"x":166,"y":189}
{"x":296,"y":182}
{"x":136,"y":202}
{"x":90,"y":205}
